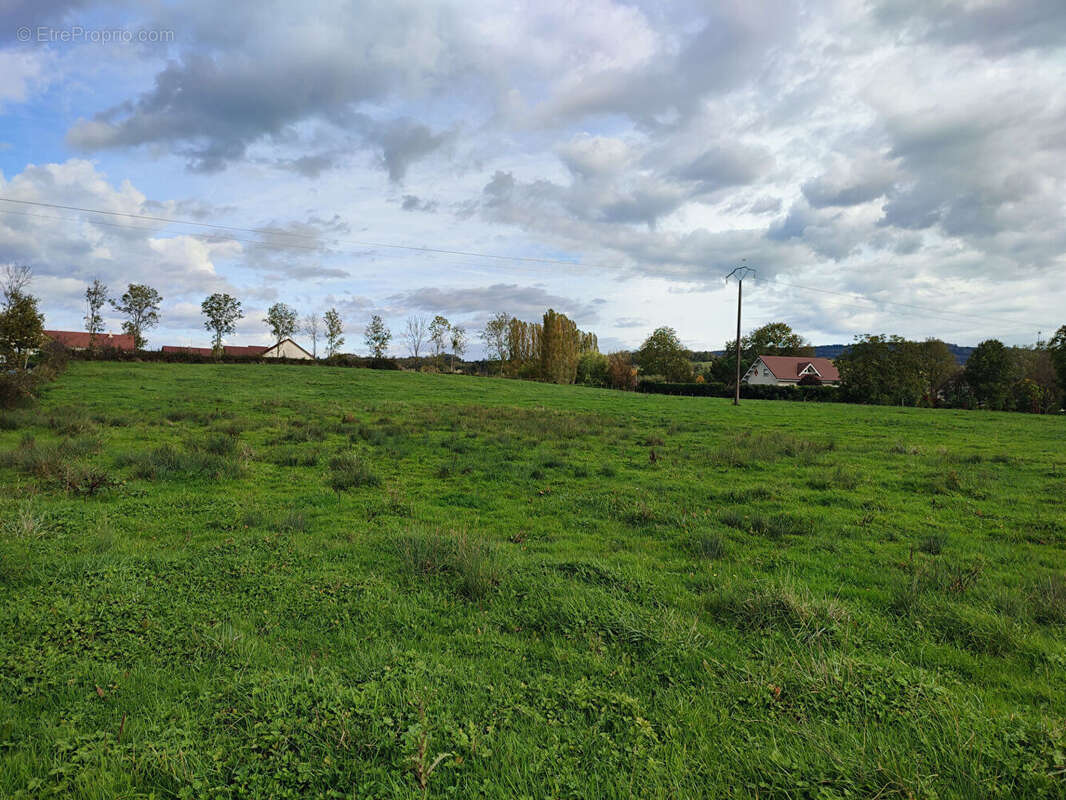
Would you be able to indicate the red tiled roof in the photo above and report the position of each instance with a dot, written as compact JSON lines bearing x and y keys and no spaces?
{"x":229,"y":350}
{"x":80,"y":339}
{"x":788,"y":368}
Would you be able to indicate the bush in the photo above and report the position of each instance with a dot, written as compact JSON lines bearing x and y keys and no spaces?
{"x":18,"y":387}
{"x":383,"y":363}
{"x":621,"y":374}
{"x":592,"y":369}
{"x":349,"y":471}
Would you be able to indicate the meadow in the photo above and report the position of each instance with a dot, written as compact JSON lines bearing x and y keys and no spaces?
{"x":222,"y":581}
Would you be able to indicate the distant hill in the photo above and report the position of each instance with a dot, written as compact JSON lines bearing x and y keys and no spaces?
{"x":960,"y":352}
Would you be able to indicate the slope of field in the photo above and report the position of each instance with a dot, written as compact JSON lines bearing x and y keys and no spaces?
{"x":270,"y":581}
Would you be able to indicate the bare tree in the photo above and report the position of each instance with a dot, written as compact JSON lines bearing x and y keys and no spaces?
{"x":312,"y":328}
{"x":416,"y":334}
{"x":15,"y":278}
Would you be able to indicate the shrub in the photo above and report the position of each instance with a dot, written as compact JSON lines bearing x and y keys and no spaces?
{"x":349,"y":471}
{"x":592,"y":369}
{"x":17,"y":388}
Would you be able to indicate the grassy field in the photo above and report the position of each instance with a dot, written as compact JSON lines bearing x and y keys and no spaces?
{"x":274,"y":582}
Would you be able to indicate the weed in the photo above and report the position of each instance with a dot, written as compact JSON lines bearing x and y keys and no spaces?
{"x":1048,"y":601}
{"x":779,"y":605}
{"x":473,"y":564}
{"x":772,"y":527}
{"x":707,"y":544}
{"x":295,"y":456}
{"x":349,"y":471}
{"x":933,"y":545}
{"x":293,"y":522}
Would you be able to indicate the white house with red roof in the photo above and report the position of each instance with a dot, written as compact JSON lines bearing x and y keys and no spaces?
{"x":286,"y":348}
{"x":790,"y":370}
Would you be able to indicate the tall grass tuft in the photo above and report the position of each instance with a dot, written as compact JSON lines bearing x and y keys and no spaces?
{"x":349,"y":471}
{"x":780,"y":604}
{"x":473,"y":564}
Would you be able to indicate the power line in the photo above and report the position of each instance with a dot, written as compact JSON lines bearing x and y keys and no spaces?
{"x":937,"y":313}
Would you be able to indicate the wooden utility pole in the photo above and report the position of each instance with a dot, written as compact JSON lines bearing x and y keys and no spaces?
{"x":741,"y":273}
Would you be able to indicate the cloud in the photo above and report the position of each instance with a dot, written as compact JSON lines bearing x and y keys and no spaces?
{"x":525,"y":302}
{"x":412,"y":202}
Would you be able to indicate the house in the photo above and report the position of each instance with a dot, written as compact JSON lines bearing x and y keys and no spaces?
{"x":286,"y":348}
{"x":79,"y":340}
{"x":790,"y":370}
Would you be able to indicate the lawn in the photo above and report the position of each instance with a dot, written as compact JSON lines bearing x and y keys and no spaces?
{"x":273,"y":581}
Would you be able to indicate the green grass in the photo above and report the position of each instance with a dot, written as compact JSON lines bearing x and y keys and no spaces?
{"x":274,"y":582}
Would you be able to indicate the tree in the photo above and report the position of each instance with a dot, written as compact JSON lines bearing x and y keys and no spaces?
{"x":281,"y":319}
{"x":334,"y":331}
{"x":936,"y":366}
{"x":560,"y":348}
{"x":458,"y":344}
{"x":312,"y":329}
{"x":439,"y":329}
{"x":1057,"y":347}
{"x":494,"y":334}
{"x":377,"y":336}
{"x":140,"y":304}
{"x":21,"y":324}
{"x":991,"y":372}
{"x":222,"y":312}
{"x":621,"y":374}
{"x":663,"y":354}
{"x":414,"y":334}
{"x":95,"y":298}
{"x":592,"y":369}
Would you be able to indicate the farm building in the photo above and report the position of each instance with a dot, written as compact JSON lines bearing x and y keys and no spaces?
{"x":790,"y":370}
{"x":286,"y":348}
{"x":79,"y":340}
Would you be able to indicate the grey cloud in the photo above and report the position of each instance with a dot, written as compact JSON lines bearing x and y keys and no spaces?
{"x":999,"y":27}
{"x":866,"y":177}
{"x":413,"y":202}
{"x":212,"y":104}
{"x":723,"y":166}
{"x":765,"y":205}
{"x":526,"y":302}
{"x":630,"y":322}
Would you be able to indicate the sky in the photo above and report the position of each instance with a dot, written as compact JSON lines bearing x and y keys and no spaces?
{"x":885,"y":167}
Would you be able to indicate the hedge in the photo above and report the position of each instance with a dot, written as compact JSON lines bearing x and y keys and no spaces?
{"x":823,"y":394}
